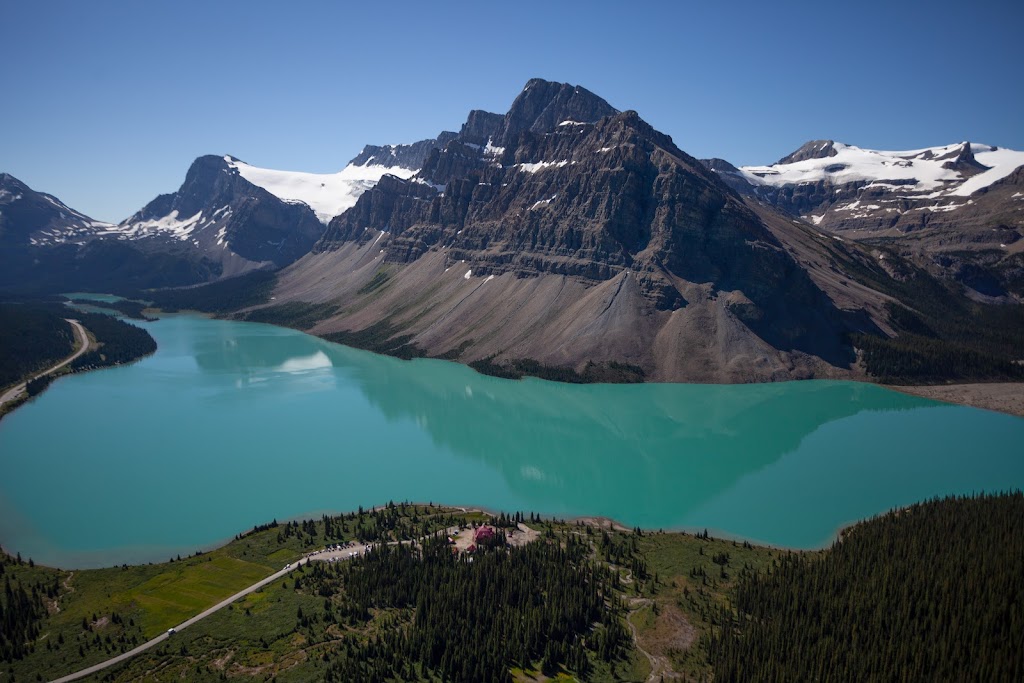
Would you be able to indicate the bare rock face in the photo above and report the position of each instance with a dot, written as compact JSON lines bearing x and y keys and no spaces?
{"x":564,"y":185}
{"x":409,"y":156}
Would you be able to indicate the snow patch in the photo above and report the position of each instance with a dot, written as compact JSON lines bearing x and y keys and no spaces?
{"x":492,"y":150}
{"x":328,"y":194}
{"x":469,"y":274}
{"x":543,"y":202}
{"x":541,"y":165}
{"x":1002,"y":162}
{"x":169,"y":224}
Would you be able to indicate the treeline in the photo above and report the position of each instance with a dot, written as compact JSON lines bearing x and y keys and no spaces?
{"x":381,"y":337}
{"x":251,"y":289}
{"x":126,"y":307}
{"x":612,"y":372}
{"x":941,"y":333}
{"x":295,"y":314}
{"x":932,"y":592}
{"x":393,"y":522}
{"x":462,"y":617}
{"x":22,"y":609}
{"x":32,"y":338}
{"x":120,"y":342}
{"x":911,"y":358}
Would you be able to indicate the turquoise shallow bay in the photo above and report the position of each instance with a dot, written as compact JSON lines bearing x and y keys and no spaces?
{"x":233,"y":424}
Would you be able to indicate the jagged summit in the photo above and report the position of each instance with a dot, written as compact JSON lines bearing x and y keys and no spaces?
{"x":543,"y":105}
{"x":815,"y":149}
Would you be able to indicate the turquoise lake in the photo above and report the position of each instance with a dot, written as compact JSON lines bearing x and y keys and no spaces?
{"x":233,"y":424}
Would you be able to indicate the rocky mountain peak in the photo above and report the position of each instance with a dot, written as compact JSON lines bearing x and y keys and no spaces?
{"x":481,"y":126}
{"x":815,"y":149}
{"x":542,"y":105}
{"x":7,"y":180}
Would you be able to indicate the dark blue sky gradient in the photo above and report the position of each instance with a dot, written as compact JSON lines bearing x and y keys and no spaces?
{"x":106,"y":104}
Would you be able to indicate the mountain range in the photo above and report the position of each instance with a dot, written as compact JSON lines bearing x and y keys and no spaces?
{"x":566,"y":234}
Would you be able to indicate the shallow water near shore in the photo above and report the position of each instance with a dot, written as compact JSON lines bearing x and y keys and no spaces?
{"x":234,"y":424}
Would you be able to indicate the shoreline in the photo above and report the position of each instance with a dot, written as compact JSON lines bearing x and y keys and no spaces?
{"x":999,"y":397}
{"x":594,"y":521}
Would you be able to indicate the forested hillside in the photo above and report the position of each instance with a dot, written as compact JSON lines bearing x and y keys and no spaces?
{"x":119,"y":342}
{"x":933,"y":592}
{"x":31,"y":339}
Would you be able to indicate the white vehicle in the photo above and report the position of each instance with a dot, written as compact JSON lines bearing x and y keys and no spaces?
{"x":171,"y":631}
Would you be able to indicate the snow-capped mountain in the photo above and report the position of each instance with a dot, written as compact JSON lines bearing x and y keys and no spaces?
{"x":245,"y":216}
{"x":35,"y":218}
{"x":841,"y":188}
{"x":226,"y":218}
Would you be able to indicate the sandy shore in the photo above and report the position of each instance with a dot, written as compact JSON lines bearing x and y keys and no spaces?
{"x":1007,"y":397}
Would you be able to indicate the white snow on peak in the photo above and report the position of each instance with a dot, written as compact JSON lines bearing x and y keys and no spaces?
{"x":540,"y":165}
{"x":169,"y":225}
{"x":1001,"y":163}
{"x":572,"y":123}
{"x":914,"y":171}
{"x":328,"y":194}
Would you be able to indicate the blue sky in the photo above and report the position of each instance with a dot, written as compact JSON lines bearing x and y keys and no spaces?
{"x":105,"y":104}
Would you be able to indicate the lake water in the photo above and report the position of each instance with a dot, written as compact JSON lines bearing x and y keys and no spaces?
{"x":233,"y":424}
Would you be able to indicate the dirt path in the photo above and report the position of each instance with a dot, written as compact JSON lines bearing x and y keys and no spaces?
{"x":14,"y":393}
{"x":660,"y":667}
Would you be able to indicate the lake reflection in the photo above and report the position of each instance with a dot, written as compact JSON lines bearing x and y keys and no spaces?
{"x":233,"y":424}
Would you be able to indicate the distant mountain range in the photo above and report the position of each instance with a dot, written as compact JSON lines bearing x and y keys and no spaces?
{"x":566,"y":234}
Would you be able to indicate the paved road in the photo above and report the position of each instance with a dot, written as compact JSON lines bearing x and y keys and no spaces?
{"x":185,"y":624}
{"x":317,"y":555}
{"x":83,"y":340}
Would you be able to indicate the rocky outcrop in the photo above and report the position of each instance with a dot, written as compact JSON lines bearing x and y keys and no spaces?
{"x":410,"y":156}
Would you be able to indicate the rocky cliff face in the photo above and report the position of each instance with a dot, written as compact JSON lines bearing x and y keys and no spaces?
{"x":564,"y":186}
